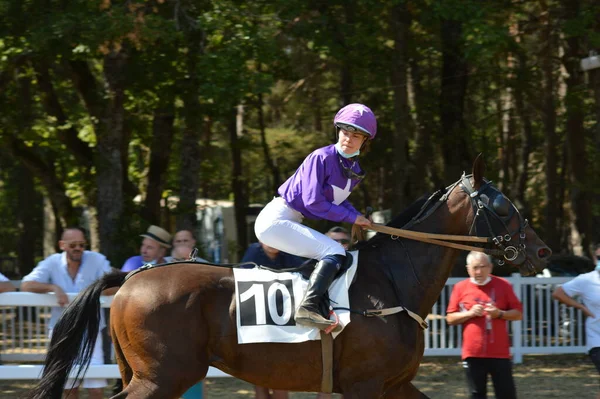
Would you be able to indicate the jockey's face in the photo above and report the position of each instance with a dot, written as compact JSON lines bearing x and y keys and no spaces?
{"x":351,"y":142}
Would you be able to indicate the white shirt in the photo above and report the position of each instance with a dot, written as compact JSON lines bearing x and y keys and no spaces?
{"x":53,"y":270}
{"x":587,"y":286}
{"x":3,"y":278}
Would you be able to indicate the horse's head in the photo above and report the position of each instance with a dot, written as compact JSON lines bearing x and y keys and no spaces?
{"x":495,"y":216}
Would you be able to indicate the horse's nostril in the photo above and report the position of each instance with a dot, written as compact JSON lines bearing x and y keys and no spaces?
{"x":544,"y":253}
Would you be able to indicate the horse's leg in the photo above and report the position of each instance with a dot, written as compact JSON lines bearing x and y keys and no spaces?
{"x":166,"y":387}
{"x":404,"y":391}
{"x":156,"y":365}
{"x":124,"y":367}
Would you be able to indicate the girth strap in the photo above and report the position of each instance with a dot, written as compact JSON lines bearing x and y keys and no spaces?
{"x":327,"y":357}
{"x":388,"y":311}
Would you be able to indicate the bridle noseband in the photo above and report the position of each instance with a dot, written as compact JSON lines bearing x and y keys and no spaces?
{"x":480,"y":200}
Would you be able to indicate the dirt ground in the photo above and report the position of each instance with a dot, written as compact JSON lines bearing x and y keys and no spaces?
{"x":556,"y":376}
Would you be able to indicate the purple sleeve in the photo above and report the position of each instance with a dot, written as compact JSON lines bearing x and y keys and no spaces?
{"x":135,"y":262}
{"x":346,"y":204}
{"x":314,"y":173}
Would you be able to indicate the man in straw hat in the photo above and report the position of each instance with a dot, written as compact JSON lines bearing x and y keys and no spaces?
{"x":154,"y":247}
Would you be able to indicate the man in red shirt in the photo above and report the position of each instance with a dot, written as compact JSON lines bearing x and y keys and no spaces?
{"x":483,"y":303}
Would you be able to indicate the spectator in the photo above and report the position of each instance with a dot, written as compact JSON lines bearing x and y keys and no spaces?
{"x":71,"y":271}
{"x":341,"y":235}
{"x":586,"y":286}
{"x":182,"y":253}
{"x":483,"y":303}
{"x":184,"y":238}
{"x":5,"y":284}
{"x":263,"y":255}
{"x":154,"y":247}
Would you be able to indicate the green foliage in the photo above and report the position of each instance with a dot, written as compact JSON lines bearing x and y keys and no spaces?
{"x":296,"y":55}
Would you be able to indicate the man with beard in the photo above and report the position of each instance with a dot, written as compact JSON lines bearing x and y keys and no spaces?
{"x":71,"y":271}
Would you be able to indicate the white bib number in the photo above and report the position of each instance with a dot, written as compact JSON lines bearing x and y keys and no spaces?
{"x":266,"y":302}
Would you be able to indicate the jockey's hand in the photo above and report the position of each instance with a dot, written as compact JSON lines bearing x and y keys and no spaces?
{"x":362,"y":221}
{"x":61,"y":297}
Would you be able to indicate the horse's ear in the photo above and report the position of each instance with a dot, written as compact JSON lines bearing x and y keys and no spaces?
{"x":478,"y":169}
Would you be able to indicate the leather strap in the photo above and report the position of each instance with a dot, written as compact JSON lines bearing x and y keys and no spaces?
{"x":327,"y":357}
{"x":438,"y":239}
{"x":388,"y":311}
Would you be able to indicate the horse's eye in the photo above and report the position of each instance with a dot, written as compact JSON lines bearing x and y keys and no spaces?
{"x":501,"y":205}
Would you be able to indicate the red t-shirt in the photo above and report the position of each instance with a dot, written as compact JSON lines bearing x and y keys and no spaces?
{"x":482,"y":339}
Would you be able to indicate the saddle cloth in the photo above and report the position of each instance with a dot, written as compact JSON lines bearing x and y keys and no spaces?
{"x":266,"y":303}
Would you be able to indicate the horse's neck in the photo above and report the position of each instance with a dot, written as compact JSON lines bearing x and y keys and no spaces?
{"x":427,"y":267}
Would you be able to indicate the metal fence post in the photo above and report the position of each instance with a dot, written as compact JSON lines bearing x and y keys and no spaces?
{"x":517,"y":332}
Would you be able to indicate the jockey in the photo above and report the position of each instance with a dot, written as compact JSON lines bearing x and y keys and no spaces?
{"x":318,"y":190}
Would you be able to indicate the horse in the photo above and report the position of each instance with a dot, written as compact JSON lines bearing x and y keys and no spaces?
{"x":169,"y":324}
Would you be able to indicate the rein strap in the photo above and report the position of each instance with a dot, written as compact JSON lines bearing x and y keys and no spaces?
{"x":437,"y":239}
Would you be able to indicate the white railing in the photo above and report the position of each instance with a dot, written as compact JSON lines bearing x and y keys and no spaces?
{"x":547,"y":327}
{"x":23,"y":333}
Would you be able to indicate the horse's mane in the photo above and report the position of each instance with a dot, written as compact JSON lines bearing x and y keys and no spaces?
{"x":410,"y":212}
{"x":406,"y":215}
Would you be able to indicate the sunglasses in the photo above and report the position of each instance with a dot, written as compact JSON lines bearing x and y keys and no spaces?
{"x":349,"y":128}
{"x":349,"y":173}
{"x":74,"y":245}
{"x":343,"y":241}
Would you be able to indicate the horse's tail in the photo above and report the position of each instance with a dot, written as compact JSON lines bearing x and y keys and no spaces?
{"x":73,"y":338}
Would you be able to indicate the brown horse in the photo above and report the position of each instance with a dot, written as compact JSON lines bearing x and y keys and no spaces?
{"x":169,"y":324}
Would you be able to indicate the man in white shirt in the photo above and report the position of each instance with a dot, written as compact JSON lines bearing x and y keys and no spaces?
{"x":5,"y":284}
{"x":586,"y":286}
{"x":71,"y":271}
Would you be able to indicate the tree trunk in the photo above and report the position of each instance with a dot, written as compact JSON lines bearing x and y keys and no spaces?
{"x":109,"y":169}
{"x":452,"y":99}
{"x":22,"y":178}
{"x":160,"y":151}
{"x":508,"y":150}
{"x":524,"y":113}
{"x":400,"y":22}
{"x":189,"y":174}
{"x":424,"y":117}
{"x":552,"y":211}
{"x":29,"y":217}
{"x":238,"y":185}
{"x":270,"y":163}
{"x":577,"y":135}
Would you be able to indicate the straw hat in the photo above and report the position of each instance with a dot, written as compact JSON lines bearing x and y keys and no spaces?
{"x":159,"y":235}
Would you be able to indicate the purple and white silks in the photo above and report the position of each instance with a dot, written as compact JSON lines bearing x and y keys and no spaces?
{"x":317,"y":190}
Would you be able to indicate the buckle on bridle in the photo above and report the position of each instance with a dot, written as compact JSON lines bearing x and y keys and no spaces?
{"x":515,"y":253}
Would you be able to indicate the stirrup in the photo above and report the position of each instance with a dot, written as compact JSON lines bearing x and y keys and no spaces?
{"x":336,"y":326}
{"x":315,"y":320}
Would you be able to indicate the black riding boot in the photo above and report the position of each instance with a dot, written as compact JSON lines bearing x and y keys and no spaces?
{"x":308,"y":313}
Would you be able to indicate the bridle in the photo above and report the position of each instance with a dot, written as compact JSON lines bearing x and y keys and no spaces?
{"x":487,"y":202}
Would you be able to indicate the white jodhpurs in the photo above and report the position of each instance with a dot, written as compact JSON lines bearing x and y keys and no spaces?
{"x":279,"y":226}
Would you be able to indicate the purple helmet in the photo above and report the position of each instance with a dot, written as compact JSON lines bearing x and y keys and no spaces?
{"x":357,"y":118}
